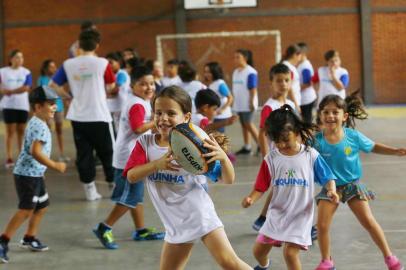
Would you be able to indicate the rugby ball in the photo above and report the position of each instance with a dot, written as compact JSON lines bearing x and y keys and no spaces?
{"x":186,"y":141}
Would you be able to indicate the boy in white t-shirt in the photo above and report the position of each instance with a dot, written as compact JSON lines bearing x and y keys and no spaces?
{"x":135,"y":121}
{"x":331,"y":79}
{"x":308,"y":94}
{"x":90,"y":79}
{"x":171,"y":77}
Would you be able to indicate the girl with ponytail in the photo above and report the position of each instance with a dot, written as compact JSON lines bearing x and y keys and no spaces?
{"x":340,"y":145}
{"x":245,"y":91}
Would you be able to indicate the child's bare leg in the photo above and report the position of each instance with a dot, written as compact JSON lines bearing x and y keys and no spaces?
{"x":220,"y":248}
{"x":175,"y":256}
{"x":261,"y":252}
{"x":245,"y":134}
{"x":326,"y":210}
{"x":59,"y":136}
{"x":34,"y":222}
{"x":291,"y":255}
{"x":115,"y":214}
{"x":364,"y":215}
{"x":11,"y":130}
{"x":253,"y":131}
{"x":16,"y":221}
{"x":137,"y":214}
{"x":20,"y":135}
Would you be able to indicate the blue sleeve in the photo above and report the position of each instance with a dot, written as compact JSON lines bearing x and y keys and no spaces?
{"x":345,"y":79}
{"x":28,"y":80}
{"x":322,"y":172}
{"x":223,"y":89}
{"x":121,"y":79}
{"x":306,"y":76}
{"x":215,"y":172}
{"x":39,"y":133}
{"x":365,"y":144}
{"x":60,"y":77}
{"x":252,"y":81}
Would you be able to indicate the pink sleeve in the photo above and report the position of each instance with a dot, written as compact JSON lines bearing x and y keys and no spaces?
{"x":204,"y":123}
{"x":109,"y":76}
{"x":263,"y":178}
{"x":137,"y":157}
{"x":136,"y":116}
{"x":266,"y":111}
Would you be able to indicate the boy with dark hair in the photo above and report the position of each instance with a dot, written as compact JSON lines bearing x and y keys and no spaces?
{"x":29,"y":173}
{"x":171,"y":74}
{"x":90,"y":79}
{"x":135,"y":120}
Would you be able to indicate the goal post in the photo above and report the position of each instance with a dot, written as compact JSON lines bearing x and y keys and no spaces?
{"x":275,"y":33}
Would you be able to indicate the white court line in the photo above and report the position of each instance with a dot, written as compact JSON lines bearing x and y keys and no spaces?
{"x":395,"y":231}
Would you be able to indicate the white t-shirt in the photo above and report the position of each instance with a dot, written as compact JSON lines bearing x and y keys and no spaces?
{"x":116,"y":103}
{"x":308,"y":94}
{"x":185,"y":208}
{"x":126,"y":137}
{"x":215,"y":86}
{"x":295,"y":81}
{"x":240,"y":89}
{"x":87,"y":76}
{"x":166,"y":81}
{"x":326,"y":86}
{"x":290,"y":213}
{"x":12,"y":79}
{"x":192,"y":88}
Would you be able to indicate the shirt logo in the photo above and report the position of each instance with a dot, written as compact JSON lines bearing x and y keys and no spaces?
{"x":166,"y":178}
{"x":291,"y":180}
{"x":347,"y":150}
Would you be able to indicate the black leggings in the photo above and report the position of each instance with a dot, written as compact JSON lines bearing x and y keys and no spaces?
{"x":307,"y":111}
{"x":89,"y":136}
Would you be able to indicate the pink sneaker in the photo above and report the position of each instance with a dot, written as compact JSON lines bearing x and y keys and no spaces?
{"x":326,"y":265}
{"x":393,"y":263}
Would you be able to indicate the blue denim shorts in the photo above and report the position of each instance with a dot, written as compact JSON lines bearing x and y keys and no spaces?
{"x":348,"y":192}
{"x":126,"y":193}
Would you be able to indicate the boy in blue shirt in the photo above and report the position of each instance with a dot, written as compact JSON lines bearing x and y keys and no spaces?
{"x":29,"y":173}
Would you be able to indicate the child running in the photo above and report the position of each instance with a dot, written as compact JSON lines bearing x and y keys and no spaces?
{"x":340,"y":144}
{"x":135,"y":120}
{"x":183,"y":205}
{"x":29,"y":173}
{"x":281,"y":82}
{"x":291,"y":170}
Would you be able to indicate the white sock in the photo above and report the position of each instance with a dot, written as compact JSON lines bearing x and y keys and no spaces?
{"x":266,"y":266}
{"x":247,"y":146}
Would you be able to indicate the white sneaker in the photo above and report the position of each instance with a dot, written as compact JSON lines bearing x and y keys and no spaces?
{"x":91,"y":192}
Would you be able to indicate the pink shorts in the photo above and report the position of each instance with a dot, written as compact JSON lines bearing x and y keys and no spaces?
{"x":263,"y":239}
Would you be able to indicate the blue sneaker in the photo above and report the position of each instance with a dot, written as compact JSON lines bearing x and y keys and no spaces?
{"x":314,"y":233}
{"x":258,"y":223}
{"x":3,"y":253}
{"x":258,"y":267}
{"x":106,"y":238}
{"x":33,"y":245}
{"x":148,"y":234}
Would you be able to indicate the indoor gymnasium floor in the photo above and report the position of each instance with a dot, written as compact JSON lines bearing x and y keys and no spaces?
{"x":67,"y":225}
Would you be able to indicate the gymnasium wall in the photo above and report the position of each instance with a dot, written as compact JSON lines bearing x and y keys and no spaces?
{"x":48,"y":28}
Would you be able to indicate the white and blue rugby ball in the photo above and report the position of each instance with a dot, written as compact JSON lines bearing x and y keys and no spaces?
{"x":186,"y":141}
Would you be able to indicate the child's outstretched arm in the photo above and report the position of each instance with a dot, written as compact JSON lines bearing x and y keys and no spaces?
{"x":383,"y":149}
{"x":36,"y":152}
{"x":227,"y":169}
{"x":139,"y":172}
{"x":252,"y":198}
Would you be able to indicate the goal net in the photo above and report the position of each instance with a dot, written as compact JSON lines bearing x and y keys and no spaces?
{"x":220,"y":47}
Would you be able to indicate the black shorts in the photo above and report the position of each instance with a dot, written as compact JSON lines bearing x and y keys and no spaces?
{"x":12,"y":116}
{"x":31,"y":192}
